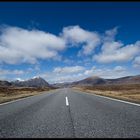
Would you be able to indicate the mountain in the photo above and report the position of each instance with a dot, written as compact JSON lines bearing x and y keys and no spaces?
{"x":90,"y":81}
{"x":34,"y":82}
{"x":5,"y":83}
{"x":94,"y":80}
{"x":62,"y":85}
{"x":125,"y":80}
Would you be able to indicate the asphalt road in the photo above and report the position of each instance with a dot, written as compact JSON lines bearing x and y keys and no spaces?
{"x":65,"y":113}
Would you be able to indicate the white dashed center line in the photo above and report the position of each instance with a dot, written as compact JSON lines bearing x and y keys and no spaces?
{"x":67,"y":102}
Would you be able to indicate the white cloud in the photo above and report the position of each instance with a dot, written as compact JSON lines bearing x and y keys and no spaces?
{"x":11,"y":72}
{"x":116,"y":72}
{"x":119,"y":69}
{"x":5,"y":74}
{"x":136,"y":62}
{"x":89,"y":72}
{"x":14,"y":74}
{"x":75,"y":35}
{"x":116,"y":51}
{"x":19,"y":79}
{"x":110,"y":34}
{"x":68,"y":70}
{"x":64,"y":75}
{"x":109,"y":47}
{"x":19,"y":45}
{"x":66,"y":78}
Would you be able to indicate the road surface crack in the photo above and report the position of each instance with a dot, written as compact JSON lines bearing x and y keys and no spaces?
{"x":71,"y":119}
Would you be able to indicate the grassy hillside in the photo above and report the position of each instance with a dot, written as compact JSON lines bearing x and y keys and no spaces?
{"x":11,"y":93}
{"x":129,"y":92}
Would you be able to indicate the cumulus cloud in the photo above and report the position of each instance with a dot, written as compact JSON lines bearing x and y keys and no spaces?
{"x":66,"y":78}
{"x":5,"y":74}
{"x":136,"y":62}
{"x":9,"y":72}
{"x":70,"y":69}
{"x":75,"y":35}
{"x":119,"y":69}
{"x":19,"y":45}
{"x":89,"y":72}
{"x":113,"y":52}
{"x":65,"y":75}
{"x":116,"y":51}
{"x":110,"y":34}
{"x":116,"y":72}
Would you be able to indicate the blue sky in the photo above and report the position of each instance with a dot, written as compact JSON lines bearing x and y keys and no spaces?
{"x":68,"y":41}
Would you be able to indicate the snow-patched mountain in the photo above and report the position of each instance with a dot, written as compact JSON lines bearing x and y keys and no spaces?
{"x":4,"y":83}
{"x":34,"y":82}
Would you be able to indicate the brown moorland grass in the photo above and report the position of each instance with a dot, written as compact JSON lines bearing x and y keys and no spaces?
{"x":128,"y":92}
{"x":12,"y":93}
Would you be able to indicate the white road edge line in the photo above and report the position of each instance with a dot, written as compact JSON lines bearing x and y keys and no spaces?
{"x":16,"y":100}
{"x":109,"y":98}
{"x":67,"y":102}
{"x":119,"y":100}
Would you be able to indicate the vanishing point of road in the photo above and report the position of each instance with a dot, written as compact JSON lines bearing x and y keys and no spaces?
{"x":67,"y":113}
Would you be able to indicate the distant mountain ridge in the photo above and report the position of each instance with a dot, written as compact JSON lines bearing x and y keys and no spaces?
{"x":95,"y":80}
{"x":90,"y":81}
{"x":125,"y":80}
{"x":5,"y":83}
{"x":34,"y":82}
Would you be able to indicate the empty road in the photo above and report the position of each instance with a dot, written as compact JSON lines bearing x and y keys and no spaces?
{"x":66,"y":113}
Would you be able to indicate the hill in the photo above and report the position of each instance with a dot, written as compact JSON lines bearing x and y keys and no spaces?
{"x":34,"y":82}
